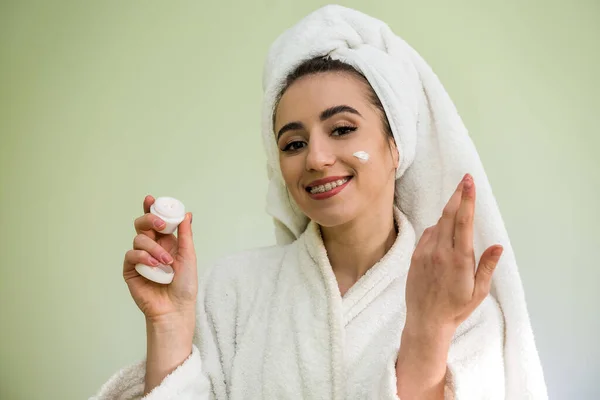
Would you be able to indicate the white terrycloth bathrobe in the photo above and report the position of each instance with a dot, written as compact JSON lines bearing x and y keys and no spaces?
{"x":271,"y":322}
{"x":272,"y":325}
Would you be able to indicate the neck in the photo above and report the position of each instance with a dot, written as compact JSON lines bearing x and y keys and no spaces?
{"x":353,"y":248}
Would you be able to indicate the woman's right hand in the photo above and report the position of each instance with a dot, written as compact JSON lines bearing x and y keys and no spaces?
{"x":163,"y":302}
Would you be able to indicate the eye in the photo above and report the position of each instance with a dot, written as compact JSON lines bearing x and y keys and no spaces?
{"x":343,"y":130}
{"x":294,"y":146}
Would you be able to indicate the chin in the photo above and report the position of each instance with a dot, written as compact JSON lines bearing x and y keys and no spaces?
{"x":330,"y":215}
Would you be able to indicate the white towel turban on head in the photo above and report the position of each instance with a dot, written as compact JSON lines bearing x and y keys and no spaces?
{"x":435,"y":153}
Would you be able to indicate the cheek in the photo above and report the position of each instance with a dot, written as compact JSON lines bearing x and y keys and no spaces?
{"x":291,"y":169}
{"x":376,"y":170}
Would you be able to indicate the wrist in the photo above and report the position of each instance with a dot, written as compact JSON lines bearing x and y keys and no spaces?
{"x":422,"y":361}
{"x":170,"y":339}
{"x":169,"y":344}
{"x":183,"y":321}
{"x":421,"y":333}
{"x":425,"y":345}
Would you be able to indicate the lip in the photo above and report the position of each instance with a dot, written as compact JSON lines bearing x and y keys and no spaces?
{"x":332,"y":192}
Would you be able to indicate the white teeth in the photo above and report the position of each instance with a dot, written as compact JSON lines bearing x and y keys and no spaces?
{"x":328,"y":186}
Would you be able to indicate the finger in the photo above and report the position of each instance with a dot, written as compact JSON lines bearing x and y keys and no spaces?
{"x":148,"y":222}
{"x":143,"y":242}
{"x":148,"y":201}
{"x":185,"y":240}
{"x":446,"y":222}
{"x":134,"y":257}
{"x":430,"y":242}
{"x":483,"y":277}
{"x":463,"y":225}
{"x":425,"y":237}
{"x":420,"y":249}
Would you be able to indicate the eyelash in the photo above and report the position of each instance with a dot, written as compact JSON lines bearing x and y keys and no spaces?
{"x":346,"y":129}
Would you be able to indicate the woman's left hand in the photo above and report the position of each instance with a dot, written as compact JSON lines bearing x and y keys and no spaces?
{"x":442,"y":287}
{"x":442,"y":290}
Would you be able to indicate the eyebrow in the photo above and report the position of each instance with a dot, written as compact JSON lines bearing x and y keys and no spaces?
{"x":325,"y":115}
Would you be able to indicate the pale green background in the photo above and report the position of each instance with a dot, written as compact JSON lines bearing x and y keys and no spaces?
{"x":104,"y":102}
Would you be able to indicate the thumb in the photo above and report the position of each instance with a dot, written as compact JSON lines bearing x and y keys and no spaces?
{"x":485,"y":270}
{"x":185,"y":240}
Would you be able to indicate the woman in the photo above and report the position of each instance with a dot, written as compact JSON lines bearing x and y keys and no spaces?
{"x":359,"y":300}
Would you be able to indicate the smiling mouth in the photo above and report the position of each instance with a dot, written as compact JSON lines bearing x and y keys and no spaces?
{"x":328,"y":186}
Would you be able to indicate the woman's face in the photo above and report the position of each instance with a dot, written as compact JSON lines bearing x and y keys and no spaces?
{"x":321,"y":121}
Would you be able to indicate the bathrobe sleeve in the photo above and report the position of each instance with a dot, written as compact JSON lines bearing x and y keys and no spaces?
{"x":199,"y":377}
{"x":186,"y":382}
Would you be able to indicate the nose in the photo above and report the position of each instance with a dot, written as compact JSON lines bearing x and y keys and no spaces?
{"x":319,"y":155}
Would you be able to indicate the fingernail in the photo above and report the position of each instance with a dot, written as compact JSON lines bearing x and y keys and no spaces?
{"x":158,"y":223}
{"x":153,"y":261}
{"x":191,"y":217}
{"x":167,"y":259}
{"x":467,"y":182}
{"x":497,"y":251}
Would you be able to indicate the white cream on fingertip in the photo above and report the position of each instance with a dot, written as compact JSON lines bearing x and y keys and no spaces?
{"x":363,"y":156}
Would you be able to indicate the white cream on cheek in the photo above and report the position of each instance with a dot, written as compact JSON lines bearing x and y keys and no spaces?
{"x":362,"y":156}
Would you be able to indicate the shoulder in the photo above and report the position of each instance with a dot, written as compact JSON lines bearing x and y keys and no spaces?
{"x":243,"y":271}
{"x":233,"y":284}
{"x":246,"y":262}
